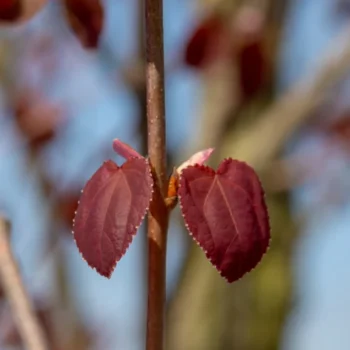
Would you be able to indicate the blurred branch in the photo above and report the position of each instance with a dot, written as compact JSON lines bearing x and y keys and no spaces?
{"x":291,"y":171}
{"x":224,"y":316}
{"x":292,"y":109}
{"x":26,"y":320}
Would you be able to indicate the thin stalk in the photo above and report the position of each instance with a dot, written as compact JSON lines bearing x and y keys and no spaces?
{"x":26,"y":321}
{"x":158,"y":214}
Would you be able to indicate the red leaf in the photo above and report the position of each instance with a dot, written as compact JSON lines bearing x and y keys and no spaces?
{"x":86,"y":20}
{"x":226,"y":214}
{"x":204,"y":45}
{"x":112,"y":207}
{"x":10,"y":10}
{"x":124,"y":150}
{"x":252,"y":69}
{"x":19,"y":11}
{"x":250,"y":32}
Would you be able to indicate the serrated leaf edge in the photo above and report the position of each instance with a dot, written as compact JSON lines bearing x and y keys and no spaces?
{"x":205,"y":167}
{"x":131,"y":237}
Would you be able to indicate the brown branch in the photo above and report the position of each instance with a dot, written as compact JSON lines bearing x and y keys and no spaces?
{"x":158,"y":214}
{"x":25,"y":318}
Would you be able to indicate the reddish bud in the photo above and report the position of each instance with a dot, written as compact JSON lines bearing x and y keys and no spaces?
{"x":198,"y":158}
{"x":10,"y":10}
{"x":173,"y":186}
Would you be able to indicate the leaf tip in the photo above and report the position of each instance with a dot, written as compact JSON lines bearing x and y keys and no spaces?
{"x":124,"y":150}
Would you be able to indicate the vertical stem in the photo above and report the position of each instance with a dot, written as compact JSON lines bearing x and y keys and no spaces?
{"x":158,"y":214}
{"x":25,"y":318}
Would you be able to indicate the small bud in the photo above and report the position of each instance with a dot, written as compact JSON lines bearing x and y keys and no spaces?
{"x":198,"y":158}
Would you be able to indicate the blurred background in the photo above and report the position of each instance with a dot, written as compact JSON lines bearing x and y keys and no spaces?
{"x":265,"y":81}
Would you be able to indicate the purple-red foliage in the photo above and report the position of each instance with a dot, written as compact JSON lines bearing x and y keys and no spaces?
{"x":203,"y":46}
{"x":252,"y":71}
{"x":86,"y":18}
{"x":112,"y":207}
{"x":10,"y":10}
{"x":244,"y":45}
{"x":226,"y":214}
{"x":13,"y":12}
{"x":225,"y":211}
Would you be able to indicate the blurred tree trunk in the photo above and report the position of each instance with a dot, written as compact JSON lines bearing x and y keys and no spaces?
{"x":207,"y":313}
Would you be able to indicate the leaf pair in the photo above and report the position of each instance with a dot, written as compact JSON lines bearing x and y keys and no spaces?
{"x":224,"y":211}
